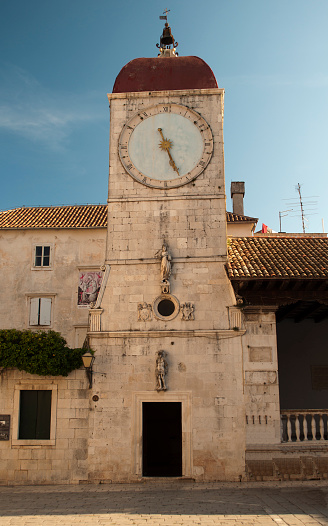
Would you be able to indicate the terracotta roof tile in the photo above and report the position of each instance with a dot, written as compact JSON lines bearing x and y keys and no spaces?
{"x":236,"y":218}
{"x":278,"y":257}
{"x":75,"y":216}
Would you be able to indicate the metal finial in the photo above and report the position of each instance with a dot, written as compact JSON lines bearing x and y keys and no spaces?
{"x":167,"y":39}
{"x":165,"y":14}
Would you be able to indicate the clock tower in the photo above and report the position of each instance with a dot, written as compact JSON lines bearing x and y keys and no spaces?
{"x":170,"y":389}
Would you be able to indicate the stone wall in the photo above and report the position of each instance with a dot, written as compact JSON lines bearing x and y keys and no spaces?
{"x":204,"y":374}
{"x":261,"y":377}
{"x":64,"y":458}
{"x":72,"y":250}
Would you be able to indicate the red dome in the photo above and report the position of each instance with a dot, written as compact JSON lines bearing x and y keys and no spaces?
{"x":164,"y":73}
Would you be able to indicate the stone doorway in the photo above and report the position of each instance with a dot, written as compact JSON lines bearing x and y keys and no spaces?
{"x":161,"y":439}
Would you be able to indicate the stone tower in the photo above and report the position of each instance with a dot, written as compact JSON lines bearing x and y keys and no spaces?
{"x":170,"y":383}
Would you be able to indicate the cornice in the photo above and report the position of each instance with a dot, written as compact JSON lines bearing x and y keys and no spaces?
{"x":214,"y":334}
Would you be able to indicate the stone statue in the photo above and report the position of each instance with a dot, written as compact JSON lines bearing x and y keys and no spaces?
{"x":161,"y":370}
{"x":144,"y":311}
{"x":165,"y":264}
{"x":187,"y":311}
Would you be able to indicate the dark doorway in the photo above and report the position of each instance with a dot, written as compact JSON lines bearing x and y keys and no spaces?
{"x":161,"y":439}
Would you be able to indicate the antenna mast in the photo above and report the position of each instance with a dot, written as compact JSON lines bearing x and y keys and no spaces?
{"x":298,"y":188}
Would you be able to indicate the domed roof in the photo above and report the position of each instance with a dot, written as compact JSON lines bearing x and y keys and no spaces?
{"x":164,"y":73}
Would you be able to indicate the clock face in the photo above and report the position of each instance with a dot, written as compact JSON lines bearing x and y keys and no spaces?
{"x":166,"y":146}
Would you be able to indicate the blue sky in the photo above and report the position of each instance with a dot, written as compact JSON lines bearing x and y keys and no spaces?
{"x":59,"y":59}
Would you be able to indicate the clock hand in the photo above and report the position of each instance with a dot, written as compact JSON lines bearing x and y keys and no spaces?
{"x":166,"y":145}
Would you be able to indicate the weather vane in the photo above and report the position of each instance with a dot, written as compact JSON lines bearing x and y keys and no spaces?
{"x":165,"y":14}
{"x":167,"y":39}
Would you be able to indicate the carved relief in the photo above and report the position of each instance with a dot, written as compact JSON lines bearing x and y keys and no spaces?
{"x":144,"y":311}
{"x":187,"y":311}
{"x":165,"y":286}
{"x":161,"y":371}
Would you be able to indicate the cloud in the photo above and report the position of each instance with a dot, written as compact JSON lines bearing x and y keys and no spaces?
{"x":38,"y":114}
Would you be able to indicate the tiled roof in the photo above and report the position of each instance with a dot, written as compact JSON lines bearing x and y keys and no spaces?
{"x":75,"y":216}
{"x":277,"y":257}
{"x":236,"y":218}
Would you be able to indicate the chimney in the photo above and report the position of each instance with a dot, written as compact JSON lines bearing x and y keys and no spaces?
{"x":237,"y":194}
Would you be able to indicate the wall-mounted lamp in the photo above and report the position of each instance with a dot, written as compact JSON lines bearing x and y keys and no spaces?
{"x":88,"y":360}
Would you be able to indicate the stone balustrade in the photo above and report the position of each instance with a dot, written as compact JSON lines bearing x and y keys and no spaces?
{"x":304,"y":425}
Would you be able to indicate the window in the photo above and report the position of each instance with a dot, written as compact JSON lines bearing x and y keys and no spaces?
{"x":166,"y":307}
{"x":40,"y":311}
{"x":42,"y":257}
{"x":35,"y":415}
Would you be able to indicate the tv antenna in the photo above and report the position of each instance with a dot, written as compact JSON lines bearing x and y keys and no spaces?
{"x":284,"y":213}
{"x":304,"y":206}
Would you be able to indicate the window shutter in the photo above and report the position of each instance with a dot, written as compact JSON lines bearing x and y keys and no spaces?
{"x":35,"y":415}
{"x":45,"y":311}
{"x":28,"y":414}
{"x":34,"y":311}
{"x":43,"y":416}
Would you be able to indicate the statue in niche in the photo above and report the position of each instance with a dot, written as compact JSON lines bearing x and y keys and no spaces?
{"x":161,"y":370}
{"x":144,"y":311}
{"x":187,"y":311}
{"x":165,"y":264}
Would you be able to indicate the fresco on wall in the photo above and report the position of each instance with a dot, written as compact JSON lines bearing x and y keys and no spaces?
{"x":89,"y":285}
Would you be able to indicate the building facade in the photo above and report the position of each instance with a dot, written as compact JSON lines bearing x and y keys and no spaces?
{"x":183,"y":318}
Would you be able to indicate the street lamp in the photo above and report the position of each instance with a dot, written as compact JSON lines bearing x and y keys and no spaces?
{"x":88,"y":360}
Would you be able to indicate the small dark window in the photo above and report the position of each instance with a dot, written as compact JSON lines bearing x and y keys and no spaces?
{"x":42,"y":256}
{"x":166,"y":307}
{"x":35,"y":415}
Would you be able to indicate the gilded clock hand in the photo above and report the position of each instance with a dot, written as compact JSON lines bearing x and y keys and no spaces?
{"x":166,"y":145}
